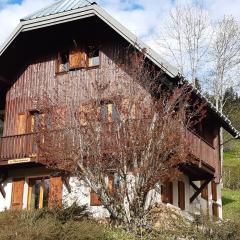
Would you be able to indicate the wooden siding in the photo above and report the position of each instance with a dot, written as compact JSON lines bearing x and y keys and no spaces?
{"x":40,"y":77}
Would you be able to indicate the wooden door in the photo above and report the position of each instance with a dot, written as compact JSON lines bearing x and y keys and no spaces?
{"x":55,"y":192}
{"x":17,"y":193}
{"x":181,"y":195}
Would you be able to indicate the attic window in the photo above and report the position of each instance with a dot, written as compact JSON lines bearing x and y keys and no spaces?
{"x":93,"y":56}
{"x":63,"y":62}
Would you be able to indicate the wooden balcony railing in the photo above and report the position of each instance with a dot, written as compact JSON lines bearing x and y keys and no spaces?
{"x":202,"y":150}
{"x":22,"y":146}
{"x":18,"y":146}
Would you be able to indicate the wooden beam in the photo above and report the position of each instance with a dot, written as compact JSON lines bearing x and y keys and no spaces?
{"x":66,"y":183}
{"x":194,"y":186}
{"x":195,"y":195}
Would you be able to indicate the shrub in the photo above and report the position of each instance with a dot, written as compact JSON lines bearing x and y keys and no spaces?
{"x":231,"y":177}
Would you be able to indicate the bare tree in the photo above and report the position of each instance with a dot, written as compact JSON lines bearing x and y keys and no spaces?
{"x":225,"y":63}
{"x":185,"y":38}
{"x":225,"y":58}
{"x":136,"y":144}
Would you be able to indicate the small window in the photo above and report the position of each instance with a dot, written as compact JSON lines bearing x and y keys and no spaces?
{"x":63,"y":62}
{"x":108,"y":111}
{"x":93,"y":56}
{"x":38,"y":193}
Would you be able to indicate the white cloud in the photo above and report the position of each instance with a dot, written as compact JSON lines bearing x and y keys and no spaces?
{"x":142,"y":17}
{"x":10,"y":14}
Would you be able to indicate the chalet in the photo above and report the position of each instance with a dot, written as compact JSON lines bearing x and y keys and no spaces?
{"x":33,"y":59}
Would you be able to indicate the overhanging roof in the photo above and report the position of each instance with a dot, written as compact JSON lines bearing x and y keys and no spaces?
{"x":71,"y":10}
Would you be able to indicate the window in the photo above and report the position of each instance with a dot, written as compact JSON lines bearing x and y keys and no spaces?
{"x":38,"y":193}
{"x":63,"y":62}
{"x":108,"y":111}
{"x":77,"y":58}
{"x":93,"y":56}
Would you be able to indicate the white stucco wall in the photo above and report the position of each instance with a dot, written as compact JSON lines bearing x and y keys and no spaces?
{"x":80,"y":193}
{"x":6,"y":202}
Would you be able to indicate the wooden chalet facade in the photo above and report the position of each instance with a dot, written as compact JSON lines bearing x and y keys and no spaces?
{"x":41,"y":55}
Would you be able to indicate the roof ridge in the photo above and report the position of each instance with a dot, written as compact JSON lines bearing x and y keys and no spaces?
{"x":58,"y":7}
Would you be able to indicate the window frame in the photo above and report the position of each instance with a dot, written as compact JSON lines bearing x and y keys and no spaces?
{"x":41,"y":191}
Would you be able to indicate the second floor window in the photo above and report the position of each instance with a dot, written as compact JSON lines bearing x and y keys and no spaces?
{"x":78,"y":58}
{"x":63,"y":62}
{"x":108,"y":111}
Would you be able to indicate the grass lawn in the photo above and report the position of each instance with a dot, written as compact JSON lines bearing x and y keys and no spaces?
{"x":231,"y":204}
{"x":231,"y":198}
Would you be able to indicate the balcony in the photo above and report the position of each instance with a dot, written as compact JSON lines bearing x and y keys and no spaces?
{"x":22,"y":146}
{"x":204,"y":152}
{"x":17,"y":147}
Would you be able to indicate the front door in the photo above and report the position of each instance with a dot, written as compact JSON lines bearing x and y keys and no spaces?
{"x":17,"y":193}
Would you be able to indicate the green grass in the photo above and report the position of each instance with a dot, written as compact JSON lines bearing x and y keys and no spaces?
{"x":231,"y":198}
{"x":231,"y":204}
{"x":232,"y":157}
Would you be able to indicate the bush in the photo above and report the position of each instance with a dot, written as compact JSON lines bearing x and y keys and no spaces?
{"x":47,"y":225}
{"x":231,"y":177}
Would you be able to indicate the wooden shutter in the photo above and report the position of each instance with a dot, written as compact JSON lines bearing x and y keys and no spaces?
{"x":55,"y":192}
{"x":181,"y":195}
{"x":17,"y":193}
{"x":77,"y":59}
{"x":167,"y":192}
{"x":21,"y":123}
{"x":94,"y":200}
{"x":215,"y":210}
{"x":204,"y":193}
{"x":30,"y":123}
{"x":214,"y":191}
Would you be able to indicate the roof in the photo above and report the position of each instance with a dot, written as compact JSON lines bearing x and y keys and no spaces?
{"x":72,"y":10}
{"x":59,"y":7}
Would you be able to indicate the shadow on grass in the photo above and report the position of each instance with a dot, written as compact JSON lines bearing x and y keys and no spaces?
{"x":226,"y":201}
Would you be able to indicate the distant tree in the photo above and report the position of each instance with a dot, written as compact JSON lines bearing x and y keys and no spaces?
{"x":225,"y":60}
{"x":225,"y":63}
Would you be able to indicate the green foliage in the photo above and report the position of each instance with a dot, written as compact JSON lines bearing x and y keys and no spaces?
{"x":54,"y":224}
{"x":46,"y":225}
{"x":231,"y":170}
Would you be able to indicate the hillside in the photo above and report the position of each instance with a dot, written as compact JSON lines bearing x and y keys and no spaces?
{"x":231,"y":191}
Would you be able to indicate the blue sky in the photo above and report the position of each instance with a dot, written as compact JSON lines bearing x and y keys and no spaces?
{"x":142,"y":17}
